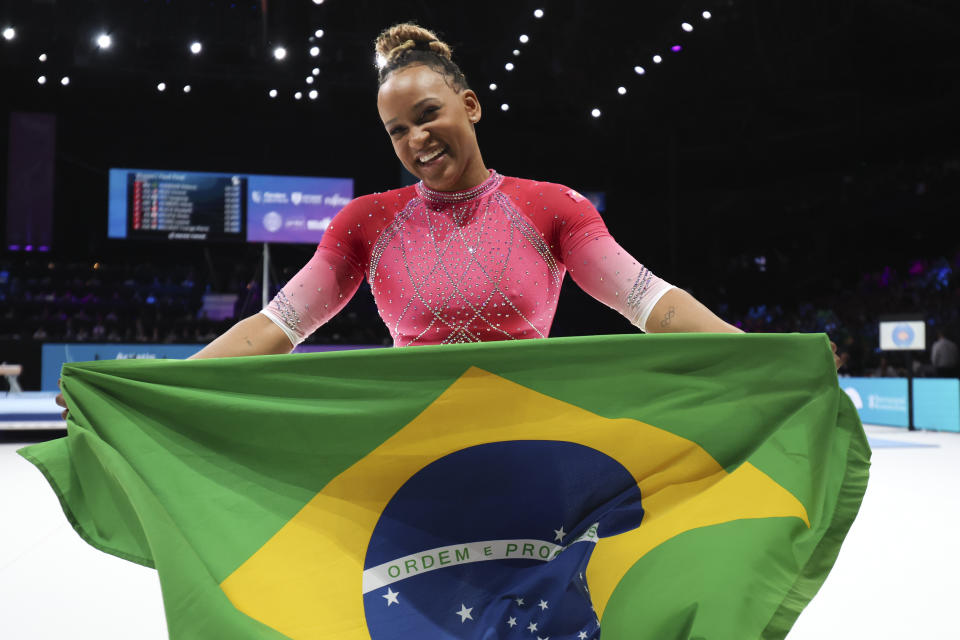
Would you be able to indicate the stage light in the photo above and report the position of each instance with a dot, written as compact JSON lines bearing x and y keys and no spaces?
{"x":309,"y":79}
{"x":318,"y":33}
{"x":314,"y":52}
{"x":42,"y":80}
{"x":316,"y":71}
{"x":508,"y":66}
{"x":676,"y":48}
{"x":313,"y":94}
{"x":186,"y":88}
{"x":162,"y":86}
{"x":279,"y":53}
{"x":273,"y":93}
{"x":297,"y":95}
{"x":65,"y":80}
{"x":622,"y":91}
{"x":524,"y":38}
{"x":707,"y":15}
{"x":639,"y":70}
{"x":104,"y":41}
{"x":516,"y":52}
{"x":657,"y":59}
{"x":380,"y":61}
{"x":43,"y":57}
{"x":9,"y":33}
{"x":317,"y":1}
{"x":686,"y":26}
{"x":595,"y":113}
{"x":504,"y":107}
{"x":196,"y":48}
{"x":538,"y":13}
{"x":493,"y":86}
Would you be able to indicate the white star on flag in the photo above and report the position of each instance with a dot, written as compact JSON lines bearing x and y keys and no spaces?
{"x":532,"y":627}
{"x":560,"y":533}
{"x":512,"y":622}
{"x":464,"y":613}
{"x":519,"y":602}
{"x":391,"y":596}
{"x":543,"y":605}
{"x":582,"y":635}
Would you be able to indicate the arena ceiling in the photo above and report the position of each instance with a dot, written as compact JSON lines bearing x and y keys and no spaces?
{"x":766,"y":98}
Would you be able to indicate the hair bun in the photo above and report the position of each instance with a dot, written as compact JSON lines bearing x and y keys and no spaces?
{"x":404,"y":36}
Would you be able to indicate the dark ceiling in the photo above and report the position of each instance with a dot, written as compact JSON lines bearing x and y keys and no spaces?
{"x":773,"y":131}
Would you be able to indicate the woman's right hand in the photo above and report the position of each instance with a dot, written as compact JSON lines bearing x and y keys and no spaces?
{"x":63,"y":403}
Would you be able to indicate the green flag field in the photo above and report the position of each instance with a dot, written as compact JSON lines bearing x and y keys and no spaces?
{"x":661,"y":487}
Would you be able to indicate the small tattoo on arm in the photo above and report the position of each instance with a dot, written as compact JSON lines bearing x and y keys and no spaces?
{"x":668,"y":317}
{"x":249,"y":344}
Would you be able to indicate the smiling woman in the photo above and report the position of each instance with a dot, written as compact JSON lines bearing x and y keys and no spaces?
{"x":467,"y":254}
{"x":429,"y":109}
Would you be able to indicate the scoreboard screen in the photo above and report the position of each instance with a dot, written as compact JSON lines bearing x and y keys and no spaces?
{"x":193,"y":206}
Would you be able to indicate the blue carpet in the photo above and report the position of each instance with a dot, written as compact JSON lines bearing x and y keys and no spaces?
{"x":877,"y":443}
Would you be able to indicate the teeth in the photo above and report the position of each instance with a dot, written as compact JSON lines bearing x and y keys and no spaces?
{"x":425,"y":159}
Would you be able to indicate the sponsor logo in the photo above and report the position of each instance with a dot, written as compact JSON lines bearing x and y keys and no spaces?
{"x":336,"y":200}
{"x":275,"y":197}
{"x":256,"y":196}
{"x":296,"y":197}
{"x":903,"y":335}
{"x":272,"y":222}
{"x":886,"y":403}
{"x":319,"y":225}
{"x":855,"y":397}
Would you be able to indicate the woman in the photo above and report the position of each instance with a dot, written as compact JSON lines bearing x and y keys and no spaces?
{"x":467,"y":255}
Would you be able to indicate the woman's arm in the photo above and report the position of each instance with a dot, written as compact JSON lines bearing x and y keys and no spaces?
{"x":257,"y":335}
{"x":678,"y":311}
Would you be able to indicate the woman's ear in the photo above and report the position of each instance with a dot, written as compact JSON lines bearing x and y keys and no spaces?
{"x":471,"y":105}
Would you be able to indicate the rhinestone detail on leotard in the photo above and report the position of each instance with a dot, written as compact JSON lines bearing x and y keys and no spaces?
{"x":459,"y":272}
{"x":286,"y":310}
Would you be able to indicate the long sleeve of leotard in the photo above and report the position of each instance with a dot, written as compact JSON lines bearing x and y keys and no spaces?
{"x":600,"y":266}
{"x":332,"y":276}
{"x":314,"y":295}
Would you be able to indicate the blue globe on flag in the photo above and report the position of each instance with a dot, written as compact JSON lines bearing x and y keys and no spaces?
{"x":493,"y":541}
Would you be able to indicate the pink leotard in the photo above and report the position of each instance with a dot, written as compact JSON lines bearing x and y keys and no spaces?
{"x":478,"y":265}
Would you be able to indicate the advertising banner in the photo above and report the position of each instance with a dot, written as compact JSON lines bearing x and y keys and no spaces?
{"x":55,"y":354}
{"x":936,"y":404}
{"x":879,"y":400}
{"x":291,"y":209}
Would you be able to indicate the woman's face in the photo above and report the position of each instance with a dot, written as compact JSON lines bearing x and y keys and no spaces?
{"x":431,"y":127}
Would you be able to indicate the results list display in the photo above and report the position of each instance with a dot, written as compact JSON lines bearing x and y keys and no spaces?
{"x":178,"y":206}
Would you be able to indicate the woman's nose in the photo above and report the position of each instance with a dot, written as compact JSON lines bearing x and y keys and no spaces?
{"x":419,"y":137}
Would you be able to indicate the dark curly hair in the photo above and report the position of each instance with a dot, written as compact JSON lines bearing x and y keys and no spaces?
{"x":406,"y":44}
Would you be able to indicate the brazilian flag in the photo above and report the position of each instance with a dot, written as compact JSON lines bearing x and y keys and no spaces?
{"x":624,"y":487}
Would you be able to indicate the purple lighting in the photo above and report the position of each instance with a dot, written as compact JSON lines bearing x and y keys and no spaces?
{"x":14,"y":247}
{"x":675,"y":48}
{"x":43,"y":248}
{"x":29,"y":247}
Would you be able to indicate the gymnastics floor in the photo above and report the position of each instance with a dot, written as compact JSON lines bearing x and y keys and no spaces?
{"x":897,"y":576}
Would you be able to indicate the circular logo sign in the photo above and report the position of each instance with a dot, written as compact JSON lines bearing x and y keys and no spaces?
{"x":903,"y":335}
{"x":272,"y":221}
